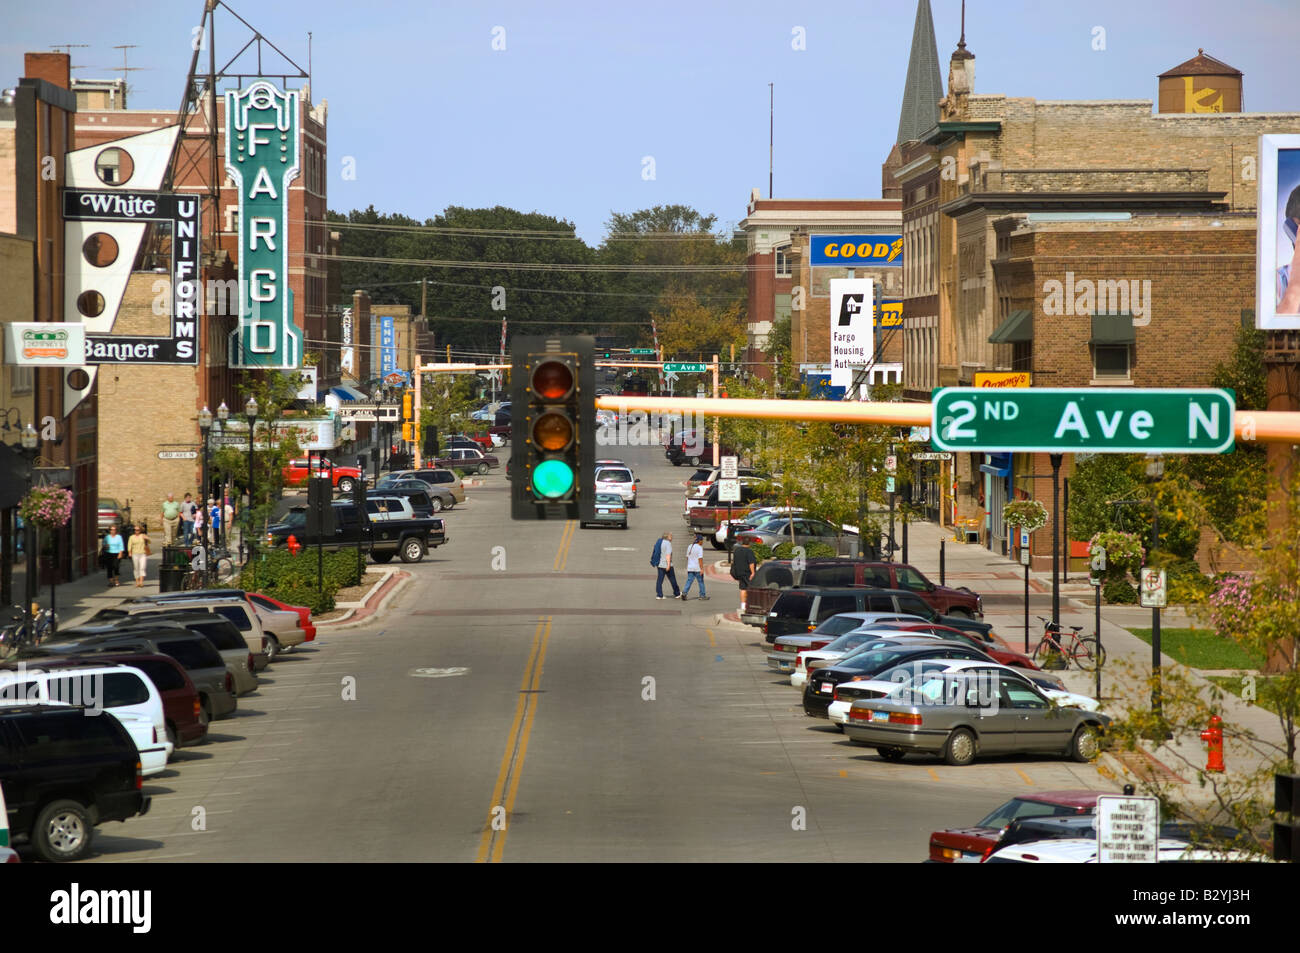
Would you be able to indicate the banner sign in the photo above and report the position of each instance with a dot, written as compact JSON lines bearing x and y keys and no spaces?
{"x":387,"y":345}
{"x":856,"y":251}
{"x":1002,"y":379}
{"x":347,"y":357}
{"x":262,"y":158}
{"x":851,"y":332}
{"x":181,"y":212}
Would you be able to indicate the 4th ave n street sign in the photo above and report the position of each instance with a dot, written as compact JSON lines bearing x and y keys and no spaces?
{"x":671,"y":368}
{"x":1093,"y":419}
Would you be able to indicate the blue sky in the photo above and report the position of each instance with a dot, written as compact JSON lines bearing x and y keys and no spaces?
{"x":560,"y":120}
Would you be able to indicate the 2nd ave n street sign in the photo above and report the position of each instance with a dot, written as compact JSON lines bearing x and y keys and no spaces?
{"x":1095,"y":419}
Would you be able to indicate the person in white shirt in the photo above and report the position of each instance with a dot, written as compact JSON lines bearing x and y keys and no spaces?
{"x":664,"y":565}
{"x":695,"y":568}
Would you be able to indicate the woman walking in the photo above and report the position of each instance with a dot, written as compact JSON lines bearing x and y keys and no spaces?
{"x":114,"y":547}
{"x":138,"y":547}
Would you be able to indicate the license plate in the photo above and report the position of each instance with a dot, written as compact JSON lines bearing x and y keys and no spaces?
{"x":602,"y":512}
{"x":826,"y":688}
{"x":880,"y":716}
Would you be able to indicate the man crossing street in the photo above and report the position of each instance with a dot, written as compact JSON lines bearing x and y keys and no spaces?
{"x":695,"y":568}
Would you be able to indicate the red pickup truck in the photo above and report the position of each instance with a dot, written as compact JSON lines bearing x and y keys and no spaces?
{"x":345,"y":478}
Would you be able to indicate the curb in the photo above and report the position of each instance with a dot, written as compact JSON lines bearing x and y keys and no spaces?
{"x":374,"y":601}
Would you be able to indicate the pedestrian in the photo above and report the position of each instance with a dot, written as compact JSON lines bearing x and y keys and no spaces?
{"x":742,"y":569}
{"x":171,"y":517}
{"x":114,"y":548}
{"x":188,"y":509}
{"x":695,"y":568}
{"x":138,"y":548}
{"x":200,"y":525}
{"x":662,"y":560}
{"x":214,"y":519}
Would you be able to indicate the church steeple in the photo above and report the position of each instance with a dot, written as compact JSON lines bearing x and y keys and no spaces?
{"x":924,"y":86}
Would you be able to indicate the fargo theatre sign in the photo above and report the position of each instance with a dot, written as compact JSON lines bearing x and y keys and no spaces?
{"x":181,"y":214}
{"x":262,"y":159}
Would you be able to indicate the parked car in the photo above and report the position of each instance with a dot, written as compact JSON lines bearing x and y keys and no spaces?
{"x":425,"y":499}
{"x":693,"y":447}
{"x":1000,"y":653}
{"x":124,"y":693}
{"x":1022,"y":720}
{"x":959,"y":844}
{"x":704,"y":477}
{"x":1036,"y":833}
{"x":199,"y":657}
{"x":271,"y":604}
{"x":800,"y":610}
{"x":182,"y":710}
{"x":112,"y":514}
{"x":224,"y":636}
{"x":776,"y":575}
{"x":610,"y":511}
{"x":1084,"y":851}
{"x":819,"y":692}
{"x":63,"y":774}
{"x":802,"y":531}
{"x":275,"y":622}
{"x":837,"y":648}
{"x":619,"y":481}
{"x":435,"y":477}
{"x":344,"y":478}
{"x":380,"y":507}
{"x":468,"y":460}
{"x":410,"y":539}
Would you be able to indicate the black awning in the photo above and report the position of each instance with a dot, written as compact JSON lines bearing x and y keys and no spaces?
{"x":1112,"y":329}
{"x":1016,"y":329}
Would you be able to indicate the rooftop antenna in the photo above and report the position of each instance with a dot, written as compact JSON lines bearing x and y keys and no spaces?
{"x":961,"y":44}
{"x":69,"y":47}
{"x":771,"y":128}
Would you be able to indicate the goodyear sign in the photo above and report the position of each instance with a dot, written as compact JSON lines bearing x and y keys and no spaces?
{"x":856,"y":251}
{"x":889,"y":314}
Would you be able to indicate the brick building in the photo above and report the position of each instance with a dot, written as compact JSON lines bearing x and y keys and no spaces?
{"x":1086,"y":242}
{"x":36,"y":133}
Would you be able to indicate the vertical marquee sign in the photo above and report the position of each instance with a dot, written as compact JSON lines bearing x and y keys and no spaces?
{"x":262,"y":158}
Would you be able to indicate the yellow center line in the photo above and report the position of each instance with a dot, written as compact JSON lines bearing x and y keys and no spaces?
{"x":485,"y":842}
{"x":712,"y":641}
{"x":933,"y":774}
{"x":1024,"y":777}
{"x":518,"y":771}
{"x":566,"y":538}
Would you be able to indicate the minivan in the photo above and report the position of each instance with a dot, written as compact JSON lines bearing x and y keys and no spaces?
{"x":802,"y":609}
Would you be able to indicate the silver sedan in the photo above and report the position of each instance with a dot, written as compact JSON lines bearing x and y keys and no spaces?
{"x":964,"y":714}
{"x":806,"y":530}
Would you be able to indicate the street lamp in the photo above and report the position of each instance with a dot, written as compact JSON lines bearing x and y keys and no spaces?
{"x":205,"y":427}
{"x":250,"y":411}
{"x":30,"y":440}
{"x":219,"y":530}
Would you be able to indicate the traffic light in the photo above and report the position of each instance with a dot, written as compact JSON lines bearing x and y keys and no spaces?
{"x":407,"y":430}
{"x":553,"y":405}
{"x":408,"y":405}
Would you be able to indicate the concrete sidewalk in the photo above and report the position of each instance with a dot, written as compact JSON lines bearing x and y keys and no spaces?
{"x":1000,"y":582}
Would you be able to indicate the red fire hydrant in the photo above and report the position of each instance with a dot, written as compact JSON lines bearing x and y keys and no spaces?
{"x":293,"y":544}
{"x":1213,"y":736}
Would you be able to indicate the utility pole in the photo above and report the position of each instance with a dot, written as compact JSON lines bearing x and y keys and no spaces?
{"x":771,"y":134}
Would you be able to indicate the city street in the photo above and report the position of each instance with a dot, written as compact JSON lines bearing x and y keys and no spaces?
{"x":530,"y":690}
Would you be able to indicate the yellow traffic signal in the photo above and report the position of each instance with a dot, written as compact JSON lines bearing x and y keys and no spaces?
{"x":408,"y":406}
{"x":406,"y":431}
{"x":553,"y":410}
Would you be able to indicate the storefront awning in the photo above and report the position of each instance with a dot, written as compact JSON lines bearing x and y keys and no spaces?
{"x":344,"y":392}
{"x":1016,"y":329}
{"x":996,"y":464}
{"x":1112,"y":329}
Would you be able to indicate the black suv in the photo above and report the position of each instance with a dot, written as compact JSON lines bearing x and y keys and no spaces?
{"x":803,"y":609}
{"x":64,"y":773}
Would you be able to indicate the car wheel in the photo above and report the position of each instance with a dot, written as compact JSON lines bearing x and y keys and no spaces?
{"x":717,"y":545}
{"x":62,"y":831}
{"x":173,"y":738}
{"x":272,"y":648}
{"x":382,"y":557}
{"x":482,"y":469}
{"x":960,"y":749}
{"x":437,"y":505}
{"x":632,"y":505}
{"x":412,"y":551}
{"x":1086,"y":744}
{"x":347,"y":485}
{"x":891,"y":754}
{"x":695,"y":461}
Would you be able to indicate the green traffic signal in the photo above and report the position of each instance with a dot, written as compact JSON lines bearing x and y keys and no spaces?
{"x":553,"y":479}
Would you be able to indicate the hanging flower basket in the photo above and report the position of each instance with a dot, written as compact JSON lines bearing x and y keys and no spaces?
{"x":1025,"y":514}
{"x":49,"y":507}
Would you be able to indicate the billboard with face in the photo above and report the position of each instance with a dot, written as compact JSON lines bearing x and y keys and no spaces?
{"x":1278,"y":251}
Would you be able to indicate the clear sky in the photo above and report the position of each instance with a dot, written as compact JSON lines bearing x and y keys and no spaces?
{"x":562,"y":119}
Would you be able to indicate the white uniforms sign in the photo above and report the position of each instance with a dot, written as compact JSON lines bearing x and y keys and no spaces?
{"x":852,"y":342}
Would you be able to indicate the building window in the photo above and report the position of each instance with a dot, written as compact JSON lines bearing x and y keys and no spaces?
{"x":1110,"y":361}
{"x":1022,"y":356}
{"x":783,"y":262}
{"x":22,"y":380}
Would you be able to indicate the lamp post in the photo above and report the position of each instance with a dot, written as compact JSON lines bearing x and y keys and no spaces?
{"x":219,"y":530}
{"x":1156,"y":471}
{"x":30,"y":440}
{"x":250,"y":411}
{"x":205,"y":427}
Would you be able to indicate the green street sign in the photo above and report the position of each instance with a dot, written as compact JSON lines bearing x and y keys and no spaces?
{"x":647,"y":351}
{"x":1094,"y":419}
{"x":685,"y":368}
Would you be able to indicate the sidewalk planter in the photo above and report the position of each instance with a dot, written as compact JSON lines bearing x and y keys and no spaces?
{"x":175,"y":566}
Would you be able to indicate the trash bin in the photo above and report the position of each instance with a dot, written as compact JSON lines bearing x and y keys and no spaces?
{"x":175,"y":567}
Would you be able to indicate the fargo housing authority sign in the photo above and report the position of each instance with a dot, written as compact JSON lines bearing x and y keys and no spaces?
{"x":852,"y":339}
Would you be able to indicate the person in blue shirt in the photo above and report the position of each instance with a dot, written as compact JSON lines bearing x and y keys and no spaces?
{"x":114,"y":546}
{"x":214,"y":519}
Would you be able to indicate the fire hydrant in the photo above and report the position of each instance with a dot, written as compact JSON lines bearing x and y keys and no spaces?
{"x":293,"y":544}
{"x":1213,"y":736}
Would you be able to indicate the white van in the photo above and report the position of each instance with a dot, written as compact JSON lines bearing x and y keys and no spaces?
{"x":124,"y":692}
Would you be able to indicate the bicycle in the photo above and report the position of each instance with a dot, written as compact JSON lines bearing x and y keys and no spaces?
{"x":1086,"y":652}
{"x":16,"y":636}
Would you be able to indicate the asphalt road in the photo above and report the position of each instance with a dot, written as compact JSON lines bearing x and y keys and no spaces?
{"x":526,"y":698}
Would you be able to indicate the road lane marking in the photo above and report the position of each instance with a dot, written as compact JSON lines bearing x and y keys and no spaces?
{"x":1025,"y":777}
{"x":439,"y":672}
{"x":933,"y":774}
{"x":566,"y":540}
{"x":527,"y":698}
{"x":518,"y":772}
{"x":712,"y":641}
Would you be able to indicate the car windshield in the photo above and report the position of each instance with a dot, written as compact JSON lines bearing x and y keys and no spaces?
{"x":610,"y":499}
{"x":1020,"y":807}
{"x":844,"y":642}
{"x":613,"y":476}
{"x":838,"y":625}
